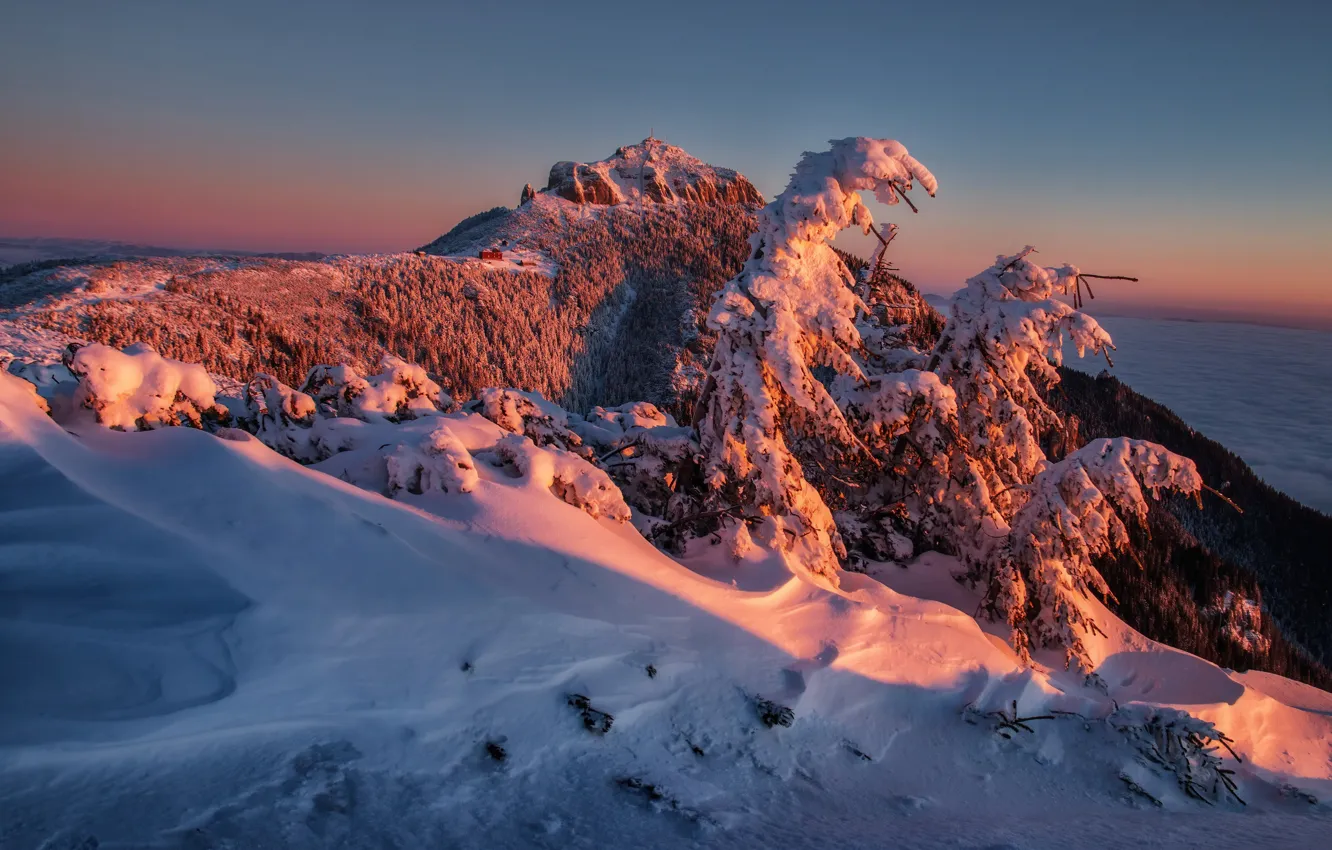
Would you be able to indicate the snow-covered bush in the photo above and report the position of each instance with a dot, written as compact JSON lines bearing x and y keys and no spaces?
{"x":280,"y":417}
{"x":400,"y":391}
{"x":47,"y":378}
{"x":565,"y":474}
{"x":1176,"y":743}
{"x":137,"y":389}
{"x":518,"y":412}
{"x":648,"y":455}
{"x":438,"y":463}
{"x":790,"y":311}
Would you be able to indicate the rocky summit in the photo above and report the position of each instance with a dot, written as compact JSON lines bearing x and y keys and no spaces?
{"x":651,"y":171}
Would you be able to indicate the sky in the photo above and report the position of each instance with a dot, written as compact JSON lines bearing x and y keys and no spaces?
{"x":1186,"y":143}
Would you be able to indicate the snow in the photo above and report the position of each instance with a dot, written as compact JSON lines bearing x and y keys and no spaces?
{"x":234,"y":650}
{"x":138,"y":386}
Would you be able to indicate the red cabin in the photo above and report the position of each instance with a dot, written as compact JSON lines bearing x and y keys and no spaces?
{"x":491,"y":254}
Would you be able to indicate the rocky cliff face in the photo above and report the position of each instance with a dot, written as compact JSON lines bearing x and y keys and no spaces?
{"x":651,"y":171}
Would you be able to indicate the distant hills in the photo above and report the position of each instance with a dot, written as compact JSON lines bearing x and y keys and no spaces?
{"x":40,"y":249}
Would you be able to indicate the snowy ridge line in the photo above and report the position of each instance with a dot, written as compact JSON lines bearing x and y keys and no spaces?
{"x":537,"y":318}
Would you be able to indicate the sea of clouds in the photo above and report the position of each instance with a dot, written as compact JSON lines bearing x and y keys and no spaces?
{"x":1265,"y":393}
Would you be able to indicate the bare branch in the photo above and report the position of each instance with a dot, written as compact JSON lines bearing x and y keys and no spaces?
{"x":1223,"y":497}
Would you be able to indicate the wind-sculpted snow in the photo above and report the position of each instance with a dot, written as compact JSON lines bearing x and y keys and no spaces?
{"x":334,"y":666}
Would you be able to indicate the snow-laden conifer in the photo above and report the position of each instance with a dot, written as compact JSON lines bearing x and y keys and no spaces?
{"x":1074,"y":510}
{"x":792,"y":311}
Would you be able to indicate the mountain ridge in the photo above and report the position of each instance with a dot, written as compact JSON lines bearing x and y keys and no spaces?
{"x":593,"y":304}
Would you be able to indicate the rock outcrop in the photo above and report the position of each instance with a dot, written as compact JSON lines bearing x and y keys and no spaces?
{"x":652,"y":171}
{"x":583,"y":184}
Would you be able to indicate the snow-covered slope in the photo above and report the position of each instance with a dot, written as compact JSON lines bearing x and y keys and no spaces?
{"x":261,"y":654}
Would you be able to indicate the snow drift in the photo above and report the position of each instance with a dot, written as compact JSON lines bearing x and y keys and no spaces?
{"x":272,"y":654}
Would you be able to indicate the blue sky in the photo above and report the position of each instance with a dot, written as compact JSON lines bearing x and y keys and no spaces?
{"x":1183,"y":141}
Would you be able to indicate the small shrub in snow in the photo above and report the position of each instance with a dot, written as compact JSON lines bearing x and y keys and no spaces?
{"x":773,"y":714}
{"x":1293,"y":793}
{"x":1176,"y":743}
{"x":518,"y":412}
{"x":400,"y":391}
{"x":595,"y":720}
{"x":565,"y":474}
{"x":1010,"y":722}
{"x":856,"y":751}
{"x":439,"y":463}
{"x":1137,"y":790}
{"x":137,"y":389}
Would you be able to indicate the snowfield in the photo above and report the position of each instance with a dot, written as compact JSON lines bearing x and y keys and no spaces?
{"x":207,"y":645}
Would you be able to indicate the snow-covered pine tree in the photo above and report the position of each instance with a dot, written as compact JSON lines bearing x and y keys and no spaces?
{"x":765,"y":417}
{"x":1073,"y":512}
{"x":1005,"y":334}
{"x":1025,"y":528}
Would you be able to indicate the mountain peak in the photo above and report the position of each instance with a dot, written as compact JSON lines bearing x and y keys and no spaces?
{"x":652,"y":171}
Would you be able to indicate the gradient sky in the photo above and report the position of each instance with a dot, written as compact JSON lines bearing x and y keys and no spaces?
{"x":1185,"y":142}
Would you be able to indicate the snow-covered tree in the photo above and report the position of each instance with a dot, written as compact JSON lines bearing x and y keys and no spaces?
{"x":281,"y":417}
{"x":1005,"y":335}
{"x":1074,"y":511}
{"x":647,"y":454}
{"x":791,"y":311}
{"x":1027,"y":529}
{"x":438,"y":463}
